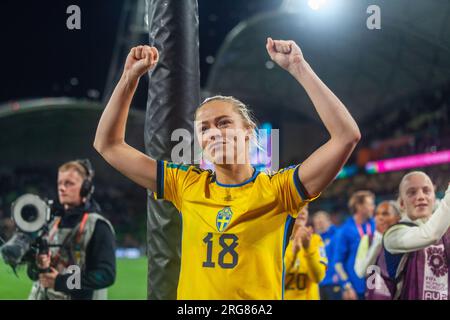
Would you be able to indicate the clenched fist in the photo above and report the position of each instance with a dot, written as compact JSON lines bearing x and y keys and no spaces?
{"x":140,"y":60}
{"x":285,"y":53}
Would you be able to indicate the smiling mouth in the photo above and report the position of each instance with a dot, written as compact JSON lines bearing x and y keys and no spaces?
{"x":215,"y":145}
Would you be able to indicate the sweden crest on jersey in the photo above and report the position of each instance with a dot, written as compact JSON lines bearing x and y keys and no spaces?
{"x":223,"y":218}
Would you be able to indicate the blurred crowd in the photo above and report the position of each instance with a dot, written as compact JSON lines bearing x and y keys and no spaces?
{"x":417,"y":124}
{"x":385,"y":186}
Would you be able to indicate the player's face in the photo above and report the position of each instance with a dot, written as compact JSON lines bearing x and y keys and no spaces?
{"x":69,"y":185}
{"x":367,"y":207}
{"x":321,"y":223}
{"x":417,"y":196}
{"x":222,"y":133}
{"x":385,"y":217}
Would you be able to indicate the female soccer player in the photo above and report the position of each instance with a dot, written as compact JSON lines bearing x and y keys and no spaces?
{"x":386,"y":215}
{"x":305,"y":261}
{"x":235,"y":220}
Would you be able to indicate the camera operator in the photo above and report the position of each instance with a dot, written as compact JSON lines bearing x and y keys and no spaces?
{"x":79,"y":236}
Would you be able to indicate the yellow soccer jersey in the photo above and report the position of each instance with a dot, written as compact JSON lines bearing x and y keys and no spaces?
{"x":233,"y":236}
{"x":305,"y":271}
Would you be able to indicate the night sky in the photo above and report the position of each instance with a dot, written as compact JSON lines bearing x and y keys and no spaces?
{"x":40,"y":57}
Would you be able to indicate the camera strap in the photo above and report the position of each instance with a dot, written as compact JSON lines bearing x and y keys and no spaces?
{"x":80,"y":230}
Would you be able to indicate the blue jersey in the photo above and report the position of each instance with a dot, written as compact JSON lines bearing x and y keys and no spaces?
{"x":347,"y":241}
{"x":329,"y":240}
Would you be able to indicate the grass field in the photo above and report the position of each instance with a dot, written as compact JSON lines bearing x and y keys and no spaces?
{"x":131,"y":281}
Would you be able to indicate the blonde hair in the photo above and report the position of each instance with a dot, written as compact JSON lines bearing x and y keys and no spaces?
{"x":242,"y":109}
{"x":358,"y":198}
{"x":76,"y":166}
{"x":407,"y":176}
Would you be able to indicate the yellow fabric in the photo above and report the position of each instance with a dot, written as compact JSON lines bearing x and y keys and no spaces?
{"x":232,"y":237}
{"x":363,"y":248}
{"x":305,"y":270}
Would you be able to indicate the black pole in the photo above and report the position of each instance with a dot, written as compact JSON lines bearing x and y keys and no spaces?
{"x":173,"y":96}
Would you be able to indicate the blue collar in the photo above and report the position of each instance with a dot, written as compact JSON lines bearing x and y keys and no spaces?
{"x":253,"y":177}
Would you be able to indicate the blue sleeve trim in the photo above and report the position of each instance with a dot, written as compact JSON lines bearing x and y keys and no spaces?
{"x":299,"y":185}
{"x":252,"y":178}
{"x":160,"y":179}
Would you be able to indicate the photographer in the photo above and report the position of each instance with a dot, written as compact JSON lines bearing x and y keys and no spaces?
{"x":79,"y":236}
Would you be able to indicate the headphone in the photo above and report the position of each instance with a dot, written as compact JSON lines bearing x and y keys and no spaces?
{"x":87,"y":187}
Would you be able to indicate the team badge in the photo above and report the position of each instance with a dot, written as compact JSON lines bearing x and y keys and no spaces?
{"x":223,"y":218}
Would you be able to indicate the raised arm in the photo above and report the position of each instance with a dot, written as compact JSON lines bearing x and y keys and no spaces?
{"x":110,"y":135}
{"x":322,"y":166}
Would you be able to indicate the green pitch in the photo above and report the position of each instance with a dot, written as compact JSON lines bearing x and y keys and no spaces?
{"x":131,"y":281}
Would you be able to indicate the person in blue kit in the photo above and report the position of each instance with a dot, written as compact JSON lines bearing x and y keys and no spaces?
{"x":330,"y":287}
{"x":361,"y":224}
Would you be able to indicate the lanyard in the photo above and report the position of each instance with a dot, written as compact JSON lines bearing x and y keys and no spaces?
{"x":56,"y":258}
{"x":80,"y":230}
{"x":361,"y":231}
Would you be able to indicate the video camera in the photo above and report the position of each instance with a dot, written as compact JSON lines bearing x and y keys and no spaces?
{"x":32,"y":216}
